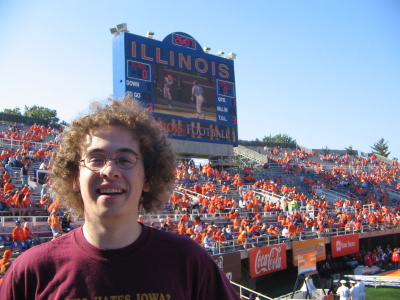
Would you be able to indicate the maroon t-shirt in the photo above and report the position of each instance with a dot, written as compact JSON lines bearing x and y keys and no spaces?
{"x":158,"y":265}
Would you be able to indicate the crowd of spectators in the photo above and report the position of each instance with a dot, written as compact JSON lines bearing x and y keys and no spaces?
{"x":246,"y":207}
{"x":240,"y":197}
{"x":242,"y":202}
{"x":24,"y":150}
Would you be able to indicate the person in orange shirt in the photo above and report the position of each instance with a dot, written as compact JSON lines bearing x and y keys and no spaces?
{"x":272,"y":231}
{"x":182,"y":227}
{"x":18,"y":233}
{"x":9,"y":201}
{"x":233,"y":214}
{"x":300,"y":232}
{"x":267,"y":207}
{"x":209,"y":172}
{"x":211,"y":208}
{"x":219,"y":237}
{"x":3,"y":271}
{"x":27,"y":204}
{"x":245,"y":221}
{"x":257,"y":216}
{"x":6,"y":258}
{"x":55,"y":205}
{"x":19,"y":204}
{"x":170,"y":224}
{"x":6,"y":175}
{"x":190,"y":230}
{"x":236,"y":223}
{"x":220,"y":206}
{"x":29,"y":236}
{"x":285,"y":222}
{"x":2,"y":201}
{"x":197,"y":237}
{"x":25,"y":189}
{"x":212,"y":228}
{"x":242,"y":238}
{"x":292,"y":229}
{"x":308,"y":223}
{"x":54,"y":224}
{"x":8,"y":186}
{"x":174,"y":198}
{"x":45,"y":201}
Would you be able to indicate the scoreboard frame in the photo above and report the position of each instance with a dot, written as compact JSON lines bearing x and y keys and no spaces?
{"x":163,"y":75}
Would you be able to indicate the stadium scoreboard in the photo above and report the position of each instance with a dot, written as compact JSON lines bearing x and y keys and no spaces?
{"x":190,"y":92}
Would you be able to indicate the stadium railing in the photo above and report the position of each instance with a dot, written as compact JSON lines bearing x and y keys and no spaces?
{"x":243,"y":291}
{"x":14,"y":144}
{"x":376,"y":281}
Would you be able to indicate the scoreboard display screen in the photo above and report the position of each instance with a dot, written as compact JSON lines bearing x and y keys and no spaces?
{"x":190,"y":92}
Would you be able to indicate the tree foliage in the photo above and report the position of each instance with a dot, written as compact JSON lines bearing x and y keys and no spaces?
{"x":351,"y":151}
{"x":12,"y":111}
{"x":279,"y":138}
{"x":41,"y":112}
{"x":326,"y":150}
{"x":381,"y":148}
{"x":38,"y":112}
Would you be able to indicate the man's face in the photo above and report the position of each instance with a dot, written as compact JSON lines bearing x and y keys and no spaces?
{"x":112,"y":193}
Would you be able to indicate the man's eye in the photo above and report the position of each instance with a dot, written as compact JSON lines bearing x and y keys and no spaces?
{"x":95,"y":159}
{"x":125,"y":160}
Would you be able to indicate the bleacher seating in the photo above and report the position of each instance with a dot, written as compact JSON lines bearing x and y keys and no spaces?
{"x":303,"y":175}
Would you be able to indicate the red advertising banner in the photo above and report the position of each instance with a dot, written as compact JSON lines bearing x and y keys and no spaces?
{"x":267,"y":260}
{"x":345,"y":245}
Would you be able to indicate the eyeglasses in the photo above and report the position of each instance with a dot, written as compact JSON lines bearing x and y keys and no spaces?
{"x":96,"y":162}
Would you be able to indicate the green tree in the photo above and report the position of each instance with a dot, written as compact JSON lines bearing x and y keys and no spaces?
{"x":12,"y":111}
{"x":351,"y":151}
{"x":326,"y":150}
{"x":279,"y":138}
{"x":41,"y":112}
{"x":381,"y":148}
{"x":63,"y":123}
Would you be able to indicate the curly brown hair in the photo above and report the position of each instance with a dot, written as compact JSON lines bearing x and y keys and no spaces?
{"x":157,"y":153}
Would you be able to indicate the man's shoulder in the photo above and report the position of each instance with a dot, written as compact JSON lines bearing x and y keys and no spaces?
{"x":46,"y":250}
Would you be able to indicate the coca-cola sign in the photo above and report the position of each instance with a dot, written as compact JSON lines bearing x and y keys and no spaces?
{"x":267,"y":260}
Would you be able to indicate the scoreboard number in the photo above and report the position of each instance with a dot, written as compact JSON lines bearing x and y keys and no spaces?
{"x":138,"y":70}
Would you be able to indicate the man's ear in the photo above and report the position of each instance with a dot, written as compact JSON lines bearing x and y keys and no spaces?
{"x":146,"y":187}
{"x":75,"y":185}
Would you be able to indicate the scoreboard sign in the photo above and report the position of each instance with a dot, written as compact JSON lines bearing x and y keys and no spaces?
{"x":191,"y":93}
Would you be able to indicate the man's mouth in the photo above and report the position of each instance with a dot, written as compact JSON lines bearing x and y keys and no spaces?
{"x":109,"y":191}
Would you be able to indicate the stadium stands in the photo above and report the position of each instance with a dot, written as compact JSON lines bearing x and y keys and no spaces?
{"x":268,"y":197}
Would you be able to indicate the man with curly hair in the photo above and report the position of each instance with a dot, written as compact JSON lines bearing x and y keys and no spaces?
{"x":111,"y":163}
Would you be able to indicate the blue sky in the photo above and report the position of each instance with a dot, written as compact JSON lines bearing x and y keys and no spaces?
{"x":326,"y":72}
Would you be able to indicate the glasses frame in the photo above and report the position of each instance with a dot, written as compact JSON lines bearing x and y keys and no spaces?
{"x":106,"y":160}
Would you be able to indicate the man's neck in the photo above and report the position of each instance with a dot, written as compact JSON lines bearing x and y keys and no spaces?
{"x":111,"y":237}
